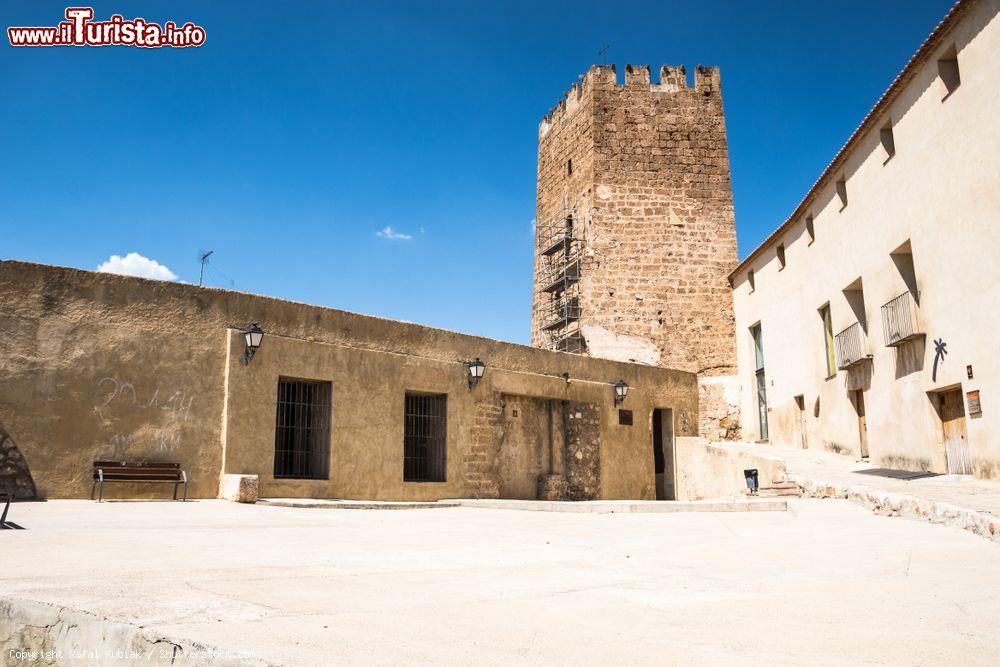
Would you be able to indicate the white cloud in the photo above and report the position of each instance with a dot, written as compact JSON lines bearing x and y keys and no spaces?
{"x":134,"y":264}
{"x":392,"y":234}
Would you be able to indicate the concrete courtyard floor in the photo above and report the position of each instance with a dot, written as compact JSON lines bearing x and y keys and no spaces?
{"x":826,"y":583}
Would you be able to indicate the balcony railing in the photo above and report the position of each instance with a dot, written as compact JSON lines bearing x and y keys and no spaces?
{"x":850,"y":344}
{"x":899,"y":319}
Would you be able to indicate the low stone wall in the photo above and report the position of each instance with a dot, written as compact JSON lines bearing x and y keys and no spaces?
{"x":885,"y":503}
{"x":240,"y":488}
{"x":35,"y":634}
{"x":707,"y":470}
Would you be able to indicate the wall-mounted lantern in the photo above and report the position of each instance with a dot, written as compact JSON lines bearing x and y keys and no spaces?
{"x":253,"y":335}
{"x":476,"y":370}
{"x":621,"y":391}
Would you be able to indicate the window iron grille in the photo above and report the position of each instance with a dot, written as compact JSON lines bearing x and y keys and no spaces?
{"x":302,"y":429}
{"x":425,"y":419}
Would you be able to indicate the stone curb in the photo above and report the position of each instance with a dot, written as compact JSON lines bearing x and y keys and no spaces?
{"x":47,"y":633}
{"x":629,"y":507}
{"x":574,"y":506}
{"x":885,"y":503}
{"x":355,"y":504}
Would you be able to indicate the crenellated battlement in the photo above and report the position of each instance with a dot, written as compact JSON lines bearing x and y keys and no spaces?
{"x":671,"y":79}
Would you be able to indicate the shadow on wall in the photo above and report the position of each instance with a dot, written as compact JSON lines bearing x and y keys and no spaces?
{"x":859,"y":376}
{"x":15,"y":477}
{"x":910,"y":357}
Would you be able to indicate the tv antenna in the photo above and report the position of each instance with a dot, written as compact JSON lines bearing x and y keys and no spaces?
{"x":204,"y":260}
{"x":603,"y":53}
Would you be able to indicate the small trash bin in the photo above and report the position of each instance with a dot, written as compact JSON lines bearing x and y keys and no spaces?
{"x":752,"y":479}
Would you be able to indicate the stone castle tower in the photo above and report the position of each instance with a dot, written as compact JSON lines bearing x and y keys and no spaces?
{"x":635,"y":235}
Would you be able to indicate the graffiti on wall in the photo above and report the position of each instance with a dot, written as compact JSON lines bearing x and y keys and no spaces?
{"x":139,"y":419}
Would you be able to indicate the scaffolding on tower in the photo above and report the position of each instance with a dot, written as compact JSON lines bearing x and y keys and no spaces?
{"x":560,"y":254}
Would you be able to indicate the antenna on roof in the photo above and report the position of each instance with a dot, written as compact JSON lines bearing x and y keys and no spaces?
{"x":603,"y":53}
{"x":204,"y":260}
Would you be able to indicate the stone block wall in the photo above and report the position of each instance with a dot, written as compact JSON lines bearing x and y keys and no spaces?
{"x":482,"y":473}
{"x":15,"y":477}
{"x":650,"y":170}
{"x":583,"y":451}
{"x":577,"y":462}
{"x":719,"y":407}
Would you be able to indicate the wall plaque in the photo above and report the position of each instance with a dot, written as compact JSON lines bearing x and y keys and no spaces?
{"x":972,"y":398}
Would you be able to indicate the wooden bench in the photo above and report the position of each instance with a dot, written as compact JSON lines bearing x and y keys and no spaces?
{"x":134,"y":471}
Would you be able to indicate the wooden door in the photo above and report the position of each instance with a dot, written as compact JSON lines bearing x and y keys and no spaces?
{"x":956,"y":444}
{"x":859,"y":405}
{"x":800,"y":403}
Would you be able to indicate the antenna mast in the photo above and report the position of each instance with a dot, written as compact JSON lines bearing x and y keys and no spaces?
{"x":603,"y":52}
{"x":204,"y":260}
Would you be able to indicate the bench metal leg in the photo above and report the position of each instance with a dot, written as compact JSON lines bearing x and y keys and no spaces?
{"x":3,"y":517}
{"x":184,"y":476}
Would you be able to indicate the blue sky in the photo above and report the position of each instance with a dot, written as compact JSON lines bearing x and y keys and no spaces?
{"x":292,"y":137}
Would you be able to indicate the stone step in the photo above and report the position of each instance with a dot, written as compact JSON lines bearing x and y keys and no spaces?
{"x":771,"y":492}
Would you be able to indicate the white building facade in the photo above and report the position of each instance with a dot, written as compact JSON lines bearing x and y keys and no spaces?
{"x":868,"y":324}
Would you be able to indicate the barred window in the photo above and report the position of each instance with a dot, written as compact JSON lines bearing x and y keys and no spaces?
{"x":425,"y":419}
{"x":302,"y":429}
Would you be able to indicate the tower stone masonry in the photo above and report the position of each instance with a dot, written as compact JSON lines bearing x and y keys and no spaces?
{"x":635,"y":234}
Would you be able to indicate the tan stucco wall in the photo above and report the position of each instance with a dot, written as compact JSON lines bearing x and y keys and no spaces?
{"x":709,"y":470}
{"x":941,"y":192}
{"x":96,"y":366}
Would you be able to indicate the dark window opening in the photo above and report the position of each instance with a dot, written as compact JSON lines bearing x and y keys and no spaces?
{"x":569,"y":167}
{"x":781,"y":256}
{"x":625,"y":417}
{"x":302,"y":429}
{"x":842,"y":193}
{"x":902,"y":258}
{"x":951,"y":78}
{"x":425,"y":419}
{"x":854,"y":294}
{"x":888,"y":142}
{"x":750,"y":280}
